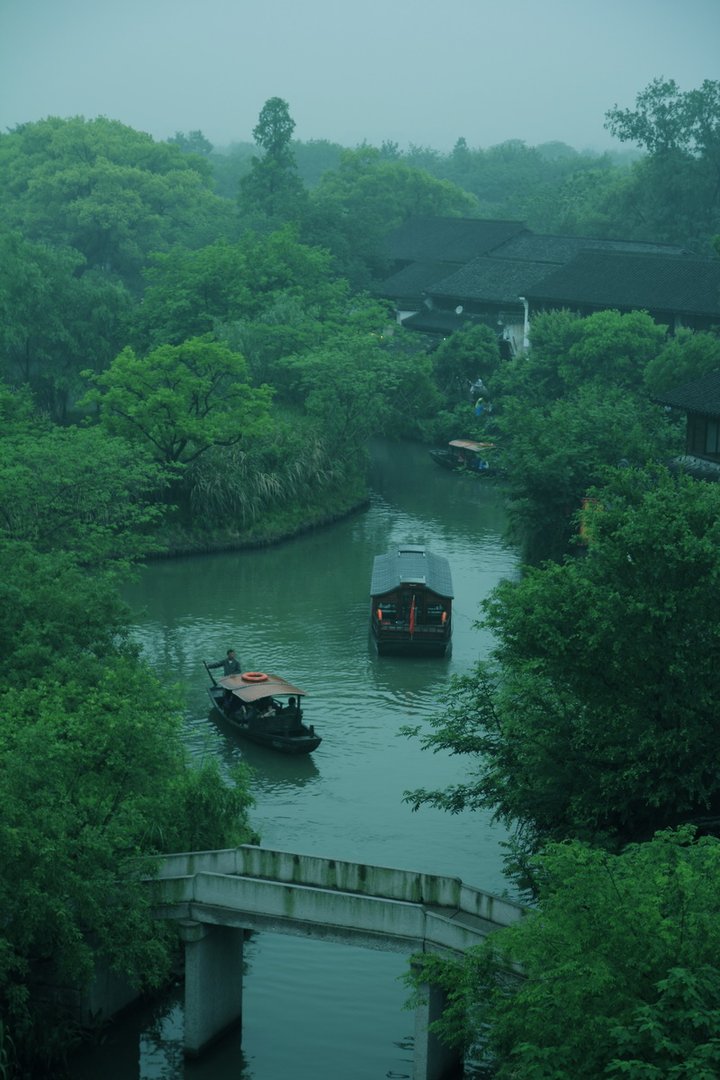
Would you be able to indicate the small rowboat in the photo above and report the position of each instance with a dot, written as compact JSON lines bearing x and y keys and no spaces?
{"x":265,"y":709}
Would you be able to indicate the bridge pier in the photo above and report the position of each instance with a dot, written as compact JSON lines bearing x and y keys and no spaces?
{"x":433,"y":1060}
{"x":213,"y":982}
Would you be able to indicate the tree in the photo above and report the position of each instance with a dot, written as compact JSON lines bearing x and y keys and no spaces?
{"x":109,"y":192}
{"x":582,"y":377}
{"x":90,"y":729}
{"x":180,"y":400}
{"x":100,"y":513}
{"x":612,"y":349}
{"x":676,"y":190}
{"x":615,"y":973}
{"x":272,"y":188}
{"x":274,"y":129}
{"x":260,"y":281}
{"x":462,"y":358}
{"x":666,"y":120}
{"x":552,"y":454}
{"x":192,"y":143}
{"x":596,"y":718}
{"x":686,"y":356}
{"x":57,"y":318}
{"x":355,"y":205}
{"x":94,"y":779}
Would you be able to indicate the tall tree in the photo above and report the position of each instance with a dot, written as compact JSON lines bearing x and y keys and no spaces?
{"x":675,"y":192}
{"x":272,"y":192}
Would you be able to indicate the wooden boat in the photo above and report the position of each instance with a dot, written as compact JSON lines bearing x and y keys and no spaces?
{"x":264,"y":709}
{"x":465,"y":454}
{"x":411,"y":608}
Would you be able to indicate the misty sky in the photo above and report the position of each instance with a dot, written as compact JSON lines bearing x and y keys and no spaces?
{"x":411,"y":71}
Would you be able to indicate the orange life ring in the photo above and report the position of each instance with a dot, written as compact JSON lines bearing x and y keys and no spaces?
{"x":254,"y":676}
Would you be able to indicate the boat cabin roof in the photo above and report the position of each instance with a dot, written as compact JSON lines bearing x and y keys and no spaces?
{"x":468,"y":444}
{"x":271,"y":686}
{"x":411,"y":565}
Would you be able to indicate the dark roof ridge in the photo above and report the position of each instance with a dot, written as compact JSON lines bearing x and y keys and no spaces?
{"x":685,"y":256}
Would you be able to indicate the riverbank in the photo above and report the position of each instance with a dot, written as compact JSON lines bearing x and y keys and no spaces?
{"x":267,"y":530}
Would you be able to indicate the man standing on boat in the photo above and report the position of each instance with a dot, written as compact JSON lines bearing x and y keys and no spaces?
{"x":230,"y":664}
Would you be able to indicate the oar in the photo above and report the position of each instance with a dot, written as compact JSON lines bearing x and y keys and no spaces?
{"x":210,"y":673}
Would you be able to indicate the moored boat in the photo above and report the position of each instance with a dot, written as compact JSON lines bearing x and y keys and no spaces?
{"x":264,"y":709}
{"x":465,"y":454}
{"x":411,"y":607}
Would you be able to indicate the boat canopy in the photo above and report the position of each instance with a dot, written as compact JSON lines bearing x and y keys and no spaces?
{"x":248,"y":691}
{"x":411,"y":565}
{"x":467,"y":444}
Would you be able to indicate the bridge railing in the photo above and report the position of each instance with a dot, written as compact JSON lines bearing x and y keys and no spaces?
{"x":382,"y":882}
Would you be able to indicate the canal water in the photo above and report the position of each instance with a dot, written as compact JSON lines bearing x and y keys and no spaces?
{"x":301,"y":609}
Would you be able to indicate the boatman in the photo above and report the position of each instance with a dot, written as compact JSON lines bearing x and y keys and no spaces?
{"x":230,"y":664}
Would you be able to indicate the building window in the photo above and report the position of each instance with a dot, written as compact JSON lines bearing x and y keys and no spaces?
{"x":711,"y":437}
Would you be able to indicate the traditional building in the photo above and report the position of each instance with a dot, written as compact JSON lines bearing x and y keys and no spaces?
{"x":699,"y":399}
{"x":452,"y":272}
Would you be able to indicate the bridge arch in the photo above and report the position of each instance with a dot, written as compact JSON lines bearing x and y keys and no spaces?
{"x":217,"y":896}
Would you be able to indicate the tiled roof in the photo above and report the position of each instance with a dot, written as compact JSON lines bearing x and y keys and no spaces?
{"x":680,"y":284}
{"x":697,"y":396}
{"x":411,"y":564}
{"x":561,"y":249}
{"x":490,"y":280}
{"x":412,"y":280}
{"x":448,"y":239}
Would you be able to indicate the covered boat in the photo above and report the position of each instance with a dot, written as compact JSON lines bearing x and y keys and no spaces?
{"x":265,"y":709}
{"x":465,"y":454}
{"x":411,"y":608}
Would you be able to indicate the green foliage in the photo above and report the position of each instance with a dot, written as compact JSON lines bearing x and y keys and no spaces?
{"x":57,"y":318}
{"x":674,"y":194}
{"x":192,"y":143}
{"x":272,"y":192}
{"x":268,"y":296}
{"x":274,"y":129}
{"x":464,"y":357}
{"x":50,"y":608}
{"x":612,"y":349}
{"x":567,"y":352}
{"x":619,"y":969}
{"x":50,"y":498}
{"x":686,"y":356}
{"x":665,"y":119}
{"x":107,"y":191}
{"x":94,"y":777}
{"x":551,"y":454}
{"x":180,"y":400}
{"x":567,"y":409}
{"x":365,"y":381}
{"x":600,"y":720}
{"x":354,"y":206}
{"x":291,"y":466}
{"x":101,"y":742}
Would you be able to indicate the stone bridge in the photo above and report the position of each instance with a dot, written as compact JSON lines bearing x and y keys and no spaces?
{"x":216,"y":896}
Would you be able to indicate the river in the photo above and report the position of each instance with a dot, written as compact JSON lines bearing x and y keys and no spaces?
{"x":301,"y":609}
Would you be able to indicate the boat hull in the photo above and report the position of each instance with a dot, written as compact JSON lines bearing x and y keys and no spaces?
{"x":299,"y":740}
{"x":406,"y":646}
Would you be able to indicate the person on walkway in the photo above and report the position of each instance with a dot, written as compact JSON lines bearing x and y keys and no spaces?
{"x":230,"y":664}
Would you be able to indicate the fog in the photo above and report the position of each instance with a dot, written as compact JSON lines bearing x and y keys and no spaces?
{"x":409,"y":71}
